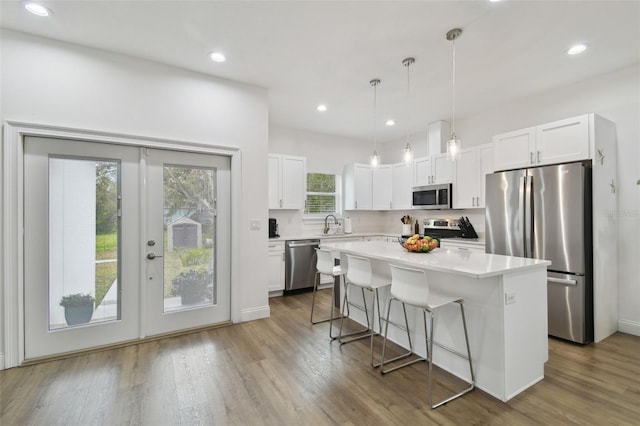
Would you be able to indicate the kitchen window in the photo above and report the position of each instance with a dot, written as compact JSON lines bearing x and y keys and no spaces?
{"x":323,"y":194}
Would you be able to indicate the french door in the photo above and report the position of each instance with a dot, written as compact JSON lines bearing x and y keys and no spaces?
{"x":131,"y":231}
{"x":187,"y":240}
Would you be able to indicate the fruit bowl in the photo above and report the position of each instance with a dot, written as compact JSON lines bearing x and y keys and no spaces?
{"x":416,"y":244}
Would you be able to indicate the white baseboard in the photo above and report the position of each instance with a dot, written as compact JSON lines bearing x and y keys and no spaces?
{"x":255,"y":313}
{"x":629,"y":327}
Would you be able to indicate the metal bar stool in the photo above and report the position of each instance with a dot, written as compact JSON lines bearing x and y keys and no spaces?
{"x":359,"y":273}
{"x":410,"y":287}
{"x":325,"y":265}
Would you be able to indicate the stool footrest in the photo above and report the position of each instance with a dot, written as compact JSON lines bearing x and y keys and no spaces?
{"x":451,"y":350}
{"x":356,"y":335}
{"x":397,"y":367}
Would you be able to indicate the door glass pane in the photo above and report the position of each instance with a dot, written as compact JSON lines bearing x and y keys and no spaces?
{"x":84,"y":230}
{"x":189,"y":237}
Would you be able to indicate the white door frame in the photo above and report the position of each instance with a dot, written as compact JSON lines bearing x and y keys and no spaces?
{"x":13,"y":224}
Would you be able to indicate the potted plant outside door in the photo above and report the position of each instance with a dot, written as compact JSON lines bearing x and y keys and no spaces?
{"x":78,"y":308}
{"x":192,"y":286}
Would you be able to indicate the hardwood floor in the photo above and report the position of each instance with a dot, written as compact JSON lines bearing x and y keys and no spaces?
{"x":284,"y":371}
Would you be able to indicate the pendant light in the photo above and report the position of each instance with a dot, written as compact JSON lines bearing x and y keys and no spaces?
{"x":453,"y":144}
{"x":374,"y":158}
{"x":407,"y":152}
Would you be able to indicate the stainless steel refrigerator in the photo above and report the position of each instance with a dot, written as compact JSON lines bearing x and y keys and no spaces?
{"x":545,"y":213}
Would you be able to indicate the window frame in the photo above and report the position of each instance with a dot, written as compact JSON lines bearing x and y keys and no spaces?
{"x":337,"y":194}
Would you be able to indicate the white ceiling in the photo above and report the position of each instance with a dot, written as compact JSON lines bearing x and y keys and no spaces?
{"x":311,"y":52}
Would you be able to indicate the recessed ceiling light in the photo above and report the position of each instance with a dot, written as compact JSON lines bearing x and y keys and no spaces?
{"x":494,"y":1}
{"x":37,"y":9}
{"x":578,"y":48}
{"x":390,"y":123}
{"x":321,"y":108}
{"x":217,"y":57}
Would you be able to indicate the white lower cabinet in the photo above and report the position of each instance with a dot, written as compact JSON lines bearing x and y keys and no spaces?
{"x":462,"y":245}
{"x":275,"y":266}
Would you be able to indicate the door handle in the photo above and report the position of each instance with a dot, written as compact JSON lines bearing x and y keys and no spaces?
{"x":562,"y":281}
{"x":151,"y":255}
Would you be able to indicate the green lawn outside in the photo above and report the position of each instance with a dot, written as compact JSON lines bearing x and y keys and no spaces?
{"x":106,"y":273}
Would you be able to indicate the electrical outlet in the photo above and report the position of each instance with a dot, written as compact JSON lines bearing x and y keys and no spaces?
{"x":509,"y":298}
{"x":255,"y":224}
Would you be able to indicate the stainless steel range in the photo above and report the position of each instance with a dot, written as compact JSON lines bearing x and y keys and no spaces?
{"x":442,"y":228}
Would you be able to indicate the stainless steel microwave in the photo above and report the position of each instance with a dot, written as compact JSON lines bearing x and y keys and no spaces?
{"x":432,"y":197}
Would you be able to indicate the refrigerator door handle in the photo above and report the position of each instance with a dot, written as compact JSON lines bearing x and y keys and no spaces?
{"x":521,"y":209}
{"x":562,"y":281}
{"x":528,"y":216}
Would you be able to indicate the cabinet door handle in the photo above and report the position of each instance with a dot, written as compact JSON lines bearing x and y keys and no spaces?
{"x":356,"y":205}
{"x":477,"y":201}
{"x":281,"y":203}
{"x":473,"y":201}
{"x":531,"y":157}
{"x":538,"y":156}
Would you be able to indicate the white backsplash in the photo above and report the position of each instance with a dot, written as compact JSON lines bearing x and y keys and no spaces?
{"x":291,"y":222}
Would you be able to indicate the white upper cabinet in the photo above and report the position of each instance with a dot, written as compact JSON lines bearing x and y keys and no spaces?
{"x":422,"y":171}
{"x":381,"y":186}
{"x":562,"y":141}
{"x":558,"y":142}
{"x":402,"y":181}
{"x":466,"y":184}
{"x":472,"y":167}
{"x":485,"y":158}
{"x":514,"y":150}
{"x":287,"y":181}
{"x":442,"y":168}
{"x":357,"y":187}
{"x":433,"y":170}
{"x":274,"y":181}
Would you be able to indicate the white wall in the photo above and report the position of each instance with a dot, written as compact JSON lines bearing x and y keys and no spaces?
{"x":615,"y":96}
{"x":60,"y":84}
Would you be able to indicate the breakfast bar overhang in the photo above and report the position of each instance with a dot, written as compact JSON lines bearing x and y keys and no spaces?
{"x":505,"y":301}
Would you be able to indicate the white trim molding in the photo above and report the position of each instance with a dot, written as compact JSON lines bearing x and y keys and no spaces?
{"x":629,"y":327}
{"x":12,"y":218}
{"x":255,"y":313}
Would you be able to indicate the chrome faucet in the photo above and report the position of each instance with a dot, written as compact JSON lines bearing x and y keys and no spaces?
{"x":326,"y":224}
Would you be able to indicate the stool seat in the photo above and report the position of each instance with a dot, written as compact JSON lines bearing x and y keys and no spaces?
{"x":410,"y":287}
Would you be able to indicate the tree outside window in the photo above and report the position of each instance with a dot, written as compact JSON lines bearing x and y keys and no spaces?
{"x":323,"y":194}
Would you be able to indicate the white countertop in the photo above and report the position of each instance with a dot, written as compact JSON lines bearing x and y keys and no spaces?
{"x":475,"y":241}
{"x":466,"y":263}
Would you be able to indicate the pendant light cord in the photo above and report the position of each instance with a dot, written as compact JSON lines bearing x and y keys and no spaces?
{"x":374,"y":157}
{"x":406,"y":124}
{"x":453,"y":91}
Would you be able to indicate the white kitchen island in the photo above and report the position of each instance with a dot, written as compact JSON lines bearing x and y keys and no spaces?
{"x":505,"y":301}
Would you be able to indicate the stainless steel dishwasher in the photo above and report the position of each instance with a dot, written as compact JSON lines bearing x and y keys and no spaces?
{"x":299,"y":264}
